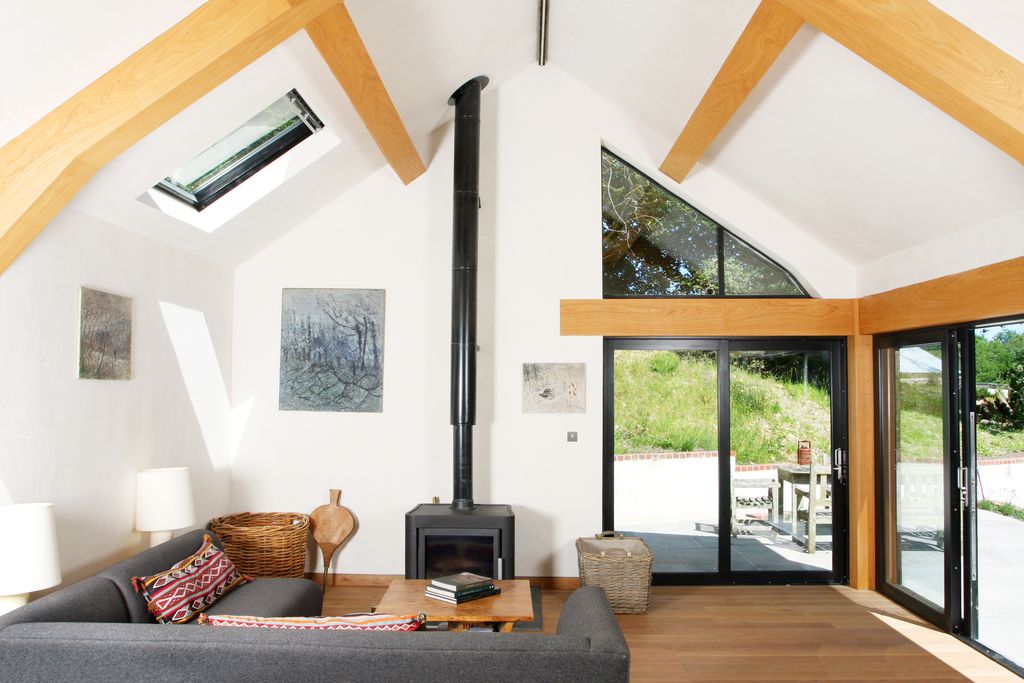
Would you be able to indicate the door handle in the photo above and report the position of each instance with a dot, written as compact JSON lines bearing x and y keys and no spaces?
{"x":839,"y":464}
{"x":961,"y":482}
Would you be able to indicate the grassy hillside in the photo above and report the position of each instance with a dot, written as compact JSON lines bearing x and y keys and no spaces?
{"x":666,"y":401}
{"x":921,"y":438}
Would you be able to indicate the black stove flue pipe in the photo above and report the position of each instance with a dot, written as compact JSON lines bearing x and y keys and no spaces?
{"x":465,"y":219}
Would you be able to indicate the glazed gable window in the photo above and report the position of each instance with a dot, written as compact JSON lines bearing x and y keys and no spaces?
{"x":655,"y":244}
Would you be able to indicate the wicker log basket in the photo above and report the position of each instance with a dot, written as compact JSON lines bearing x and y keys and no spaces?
{"x":265,"y":543}
{"x":621,"y":565}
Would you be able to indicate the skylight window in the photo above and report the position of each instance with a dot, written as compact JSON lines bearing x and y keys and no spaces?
{"x":246,"y":150}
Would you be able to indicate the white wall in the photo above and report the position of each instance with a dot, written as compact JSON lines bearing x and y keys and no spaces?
{"x":78,"y":443}
{"x":979,"y":245}
{"x":540,"y":242}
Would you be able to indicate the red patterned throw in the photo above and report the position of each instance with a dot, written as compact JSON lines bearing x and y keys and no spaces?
{"x":349,"y":622}
{"x":178,"y":594}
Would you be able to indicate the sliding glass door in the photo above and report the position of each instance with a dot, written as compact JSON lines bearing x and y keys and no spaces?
{"x":665,"y":445}
{"x":781,"y":427}
{"x":728,"y":457}
{"x":950,"y":410}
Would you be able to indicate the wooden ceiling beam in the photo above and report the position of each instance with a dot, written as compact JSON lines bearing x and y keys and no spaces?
{"x":767,"y":33}
{"x":934,"y":55}
{"x":984,"y":293}
{"x":338,"y":41}
{"x":912,"y":41}
{"x":44,"y":167}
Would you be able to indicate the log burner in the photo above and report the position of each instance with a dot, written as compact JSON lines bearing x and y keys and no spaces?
{"x":444,"y":539}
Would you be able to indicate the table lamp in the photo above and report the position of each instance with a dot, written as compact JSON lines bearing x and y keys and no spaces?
{"x":28,"y":536}
{"x":163,"y":503}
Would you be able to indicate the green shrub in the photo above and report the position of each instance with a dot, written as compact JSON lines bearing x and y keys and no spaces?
{"x":1006,"y":509}
{"x":665,"y":362}
{"x":1016,"y":398}
{"x":750,"y":394}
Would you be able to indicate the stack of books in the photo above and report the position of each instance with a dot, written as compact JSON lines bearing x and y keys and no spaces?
{"x":463,"y":587}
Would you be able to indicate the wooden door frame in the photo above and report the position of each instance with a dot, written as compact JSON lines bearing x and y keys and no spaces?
{"x":987,"y":293}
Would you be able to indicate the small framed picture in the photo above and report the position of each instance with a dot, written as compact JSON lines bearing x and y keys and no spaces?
{"x":554,"y":387}
{"x":105,"y":336}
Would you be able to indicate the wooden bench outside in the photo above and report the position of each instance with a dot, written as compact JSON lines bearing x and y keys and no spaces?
{"x":769,"y":503}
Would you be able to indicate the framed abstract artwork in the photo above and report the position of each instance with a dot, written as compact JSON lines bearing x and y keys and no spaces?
{"x":332,"y":350}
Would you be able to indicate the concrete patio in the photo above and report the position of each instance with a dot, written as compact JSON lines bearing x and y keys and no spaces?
{"x":673,"y":504}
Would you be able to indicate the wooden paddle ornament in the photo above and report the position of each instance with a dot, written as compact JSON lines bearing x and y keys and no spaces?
{"x":331,"y":525}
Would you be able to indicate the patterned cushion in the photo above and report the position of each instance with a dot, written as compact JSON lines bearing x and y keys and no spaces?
{"x":178,"y":594}
{"x":348,"y":622}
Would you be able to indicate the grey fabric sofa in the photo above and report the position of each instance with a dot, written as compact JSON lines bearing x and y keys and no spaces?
{"x":98,"y":630}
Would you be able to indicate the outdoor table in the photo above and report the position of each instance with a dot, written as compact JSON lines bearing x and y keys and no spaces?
{"x":799,"y":475}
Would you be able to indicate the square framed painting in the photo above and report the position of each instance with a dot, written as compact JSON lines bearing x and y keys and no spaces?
{"x":104,"y":335}
{"x":332,"y":350}
{"x":554,"y":387}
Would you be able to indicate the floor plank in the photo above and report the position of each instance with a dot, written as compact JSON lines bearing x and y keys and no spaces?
{"x":767,"y":633}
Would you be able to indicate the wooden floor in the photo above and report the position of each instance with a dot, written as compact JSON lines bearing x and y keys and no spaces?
{"x":767,"y":633}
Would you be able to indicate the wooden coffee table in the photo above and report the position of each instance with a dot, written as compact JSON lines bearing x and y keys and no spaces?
{"x":405,"y":596}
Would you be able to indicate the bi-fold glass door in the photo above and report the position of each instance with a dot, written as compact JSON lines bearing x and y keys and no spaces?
{"x":950,"y":410}
{"x":993,"y":545}
{"x":729,"y":457}
{"x":920,"y":472}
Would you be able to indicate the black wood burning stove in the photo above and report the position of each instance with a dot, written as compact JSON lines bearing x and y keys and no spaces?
{"x":463,"y":536}
{"x":440,"y":540}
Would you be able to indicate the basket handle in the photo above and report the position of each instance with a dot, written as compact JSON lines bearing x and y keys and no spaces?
{"x":609,"y":534}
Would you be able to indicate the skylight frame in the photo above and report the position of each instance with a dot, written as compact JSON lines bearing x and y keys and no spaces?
{"x":236,"y":173}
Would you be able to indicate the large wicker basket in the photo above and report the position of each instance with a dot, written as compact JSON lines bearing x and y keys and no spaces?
{"x":265,"y":543}
{"x":620,"y":565}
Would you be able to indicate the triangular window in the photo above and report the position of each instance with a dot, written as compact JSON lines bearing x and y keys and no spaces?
{"x":657,"y":245}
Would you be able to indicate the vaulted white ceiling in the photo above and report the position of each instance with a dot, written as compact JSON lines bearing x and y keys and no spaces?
{"x":51,"y":49}
{"x":826,"y":139}
{"x":840,"y":149}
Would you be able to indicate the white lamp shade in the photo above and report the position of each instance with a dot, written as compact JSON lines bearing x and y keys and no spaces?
{"x":164,"y":500}
{"x":28,"y":535}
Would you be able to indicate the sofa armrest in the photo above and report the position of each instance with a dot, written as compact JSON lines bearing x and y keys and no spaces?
{"x":588,"y":614}
{"x":94,"y":599}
